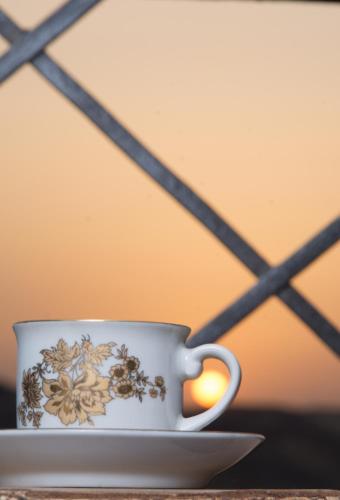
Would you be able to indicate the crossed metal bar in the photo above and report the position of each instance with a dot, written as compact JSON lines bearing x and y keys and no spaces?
{"x":28,"y":47}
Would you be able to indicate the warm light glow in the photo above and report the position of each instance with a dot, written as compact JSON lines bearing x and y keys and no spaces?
{"x":208,"y":388}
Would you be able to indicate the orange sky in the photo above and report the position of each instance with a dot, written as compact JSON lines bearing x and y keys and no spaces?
{"x":242,"y":101}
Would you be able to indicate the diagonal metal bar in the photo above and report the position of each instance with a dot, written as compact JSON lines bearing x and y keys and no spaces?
{"x":34,"y":41}
{"x":171,"y":183}
{"x":270,"y":283}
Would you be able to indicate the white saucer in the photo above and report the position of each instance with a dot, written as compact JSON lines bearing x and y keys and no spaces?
{"x":118,"y":458}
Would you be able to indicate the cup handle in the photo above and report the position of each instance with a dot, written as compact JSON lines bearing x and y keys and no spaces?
{"x":190,"y":365}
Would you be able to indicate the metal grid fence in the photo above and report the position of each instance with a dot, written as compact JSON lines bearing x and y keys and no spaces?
{"x":29,"y":47}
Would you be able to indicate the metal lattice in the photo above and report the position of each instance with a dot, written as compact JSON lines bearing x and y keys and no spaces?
{"x":29,"y":47}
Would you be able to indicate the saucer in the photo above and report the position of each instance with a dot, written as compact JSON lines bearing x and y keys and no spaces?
{"x":91,"y":458}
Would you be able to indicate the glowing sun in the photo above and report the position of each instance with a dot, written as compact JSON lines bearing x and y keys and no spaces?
{"x":208,"y":388}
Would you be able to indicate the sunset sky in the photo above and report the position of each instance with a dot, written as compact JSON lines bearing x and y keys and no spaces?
{"x":242,"y":100}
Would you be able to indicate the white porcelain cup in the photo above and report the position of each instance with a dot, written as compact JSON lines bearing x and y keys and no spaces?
{"x":111,"y":375}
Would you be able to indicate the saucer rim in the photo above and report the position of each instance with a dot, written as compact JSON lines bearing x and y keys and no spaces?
{"x":152,"y":433}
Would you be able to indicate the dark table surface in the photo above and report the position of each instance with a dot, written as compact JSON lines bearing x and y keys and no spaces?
{"x":117,"y":494}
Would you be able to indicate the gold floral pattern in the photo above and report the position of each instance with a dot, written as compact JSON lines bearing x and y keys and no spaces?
{"x":60,"y":357}
{"x":77,"y":400}
{"x":79,"y":391}
{"x":31,"y":389}
{"x":125,"y":388}
{"x":119,"y":371}
{"x":132,"y":363}
{"x":153,"y":392}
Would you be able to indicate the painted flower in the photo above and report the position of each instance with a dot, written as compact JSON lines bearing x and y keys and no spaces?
{"x":61,"y":357}
{"x":22,"y":414}
{"x":153,"y":392}
{"x":37,"y":418}
{"x":132,"y":363}
{"x":124,"y":389}
{"x":119,"y":371}
{"x":96,"y":355}
{"x":159,"y":381}
{"x":77,"y":400}
{"x":162,"y":392}
{"x":31,"y":389}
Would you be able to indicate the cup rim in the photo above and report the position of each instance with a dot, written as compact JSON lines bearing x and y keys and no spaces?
{"x":178,"y":326}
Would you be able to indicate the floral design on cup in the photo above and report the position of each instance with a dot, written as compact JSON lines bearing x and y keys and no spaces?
{"x":79,"y":391}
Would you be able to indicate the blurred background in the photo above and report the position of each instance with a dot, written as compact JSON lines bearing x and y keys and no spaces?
{"x":240,"y":99}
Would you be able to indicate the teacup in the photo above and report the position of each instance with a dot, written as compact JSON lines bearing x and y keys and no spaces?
{"x":111,"y":375}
